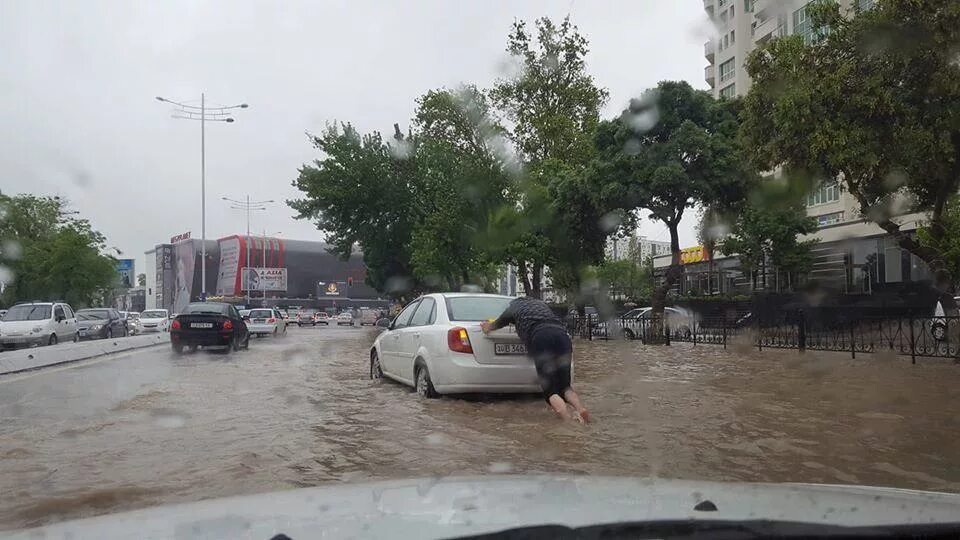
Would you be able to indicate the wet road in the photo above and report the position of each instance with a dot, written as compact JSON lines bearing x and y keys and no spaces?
{"x":148,"y":427}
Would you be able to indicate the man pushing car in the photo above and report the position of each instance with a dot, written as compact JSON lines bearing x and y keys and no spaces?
{"x":550,"y":347}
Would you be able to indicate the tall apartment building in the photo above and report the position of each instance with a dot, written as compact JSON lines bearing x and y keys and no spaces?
{"x":853,"y":254}
{"x":634,"y":246}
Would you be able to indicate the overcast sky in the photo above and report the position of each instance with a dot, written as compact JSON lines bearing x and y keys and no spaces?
{"x":78,"y":116}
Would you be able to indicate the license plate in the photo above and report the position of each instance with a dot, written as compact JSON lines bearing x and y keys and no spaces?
{"x":259,"y":320}
{"x":201,"y":325}
{"x":509,"y":348}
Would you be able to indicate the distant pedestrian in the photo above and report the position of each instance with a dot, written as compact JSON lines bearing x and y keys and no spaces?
{"x":551,"y":349}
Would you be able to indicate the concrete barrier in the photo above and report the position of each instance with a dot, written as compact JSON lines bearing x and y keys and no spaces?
{"x":38,"y":357}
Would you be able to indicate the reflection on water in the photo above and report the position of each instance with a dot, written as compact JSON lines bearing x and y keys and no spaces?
{"x":300,"y":411}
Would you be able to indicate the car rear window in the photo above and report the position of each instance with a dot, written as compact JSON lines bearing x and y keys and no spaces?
{"x":476,"y":308}
{"x":219,"y":309}
{"x":261,"y":313}
{"x":153,"y":314}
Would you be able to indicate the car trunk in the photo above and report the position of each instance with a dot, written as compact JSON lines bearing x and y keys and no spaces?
{"x":500,"y":347}
{"x":202,"y":323}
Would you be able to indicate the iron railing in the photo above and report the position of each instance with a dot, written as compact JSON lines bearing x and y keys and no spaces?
{"x":932,"y":337}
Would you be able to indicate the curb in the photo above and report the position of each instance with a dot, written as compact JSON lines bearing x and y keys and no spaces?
{"x":40,"y":357}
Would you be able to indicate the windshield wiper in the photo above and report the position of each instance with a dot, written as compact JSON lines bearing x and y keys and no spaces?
{"x":726,"y":530}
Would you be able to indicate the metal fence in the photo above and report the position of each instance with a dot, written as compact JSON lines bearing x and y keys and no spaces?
{"x":934,"y":337}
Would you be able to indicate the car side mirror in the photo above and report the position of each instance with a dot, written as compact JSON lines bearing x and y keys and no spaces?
{"x":384,"y":323}
{"x":61,"y":318}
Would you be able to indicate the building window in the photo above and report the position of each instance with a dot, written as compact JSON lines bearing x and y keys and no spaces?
{"x":781,"y":26}
{"x":826,"y":192}
{"x":726,"y":70}
{"x":731,"y":12}
{"x":733,"y":37}
{"x":725,"y":42}
{"x":864,"y":5}
{"x":829,"y":219}
{"x":748,"y":6}
{"x":728,"y":91}
{"x":723,"y":16}
{"x":802,"y":26}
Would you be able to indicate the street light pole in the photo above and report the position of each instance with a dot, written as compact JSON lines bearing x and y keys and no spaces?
{"x":184,"y":111}
{"x":247,"y":206}
{"x":263,"y":262}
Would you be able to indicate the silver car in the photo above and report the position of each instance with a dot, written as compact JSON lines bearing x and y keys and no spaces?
{"x":435,"y":345}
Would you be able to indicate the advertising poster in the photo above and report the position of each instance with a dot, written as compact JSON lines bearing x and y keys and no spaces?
{"x":265,"y":279}
{"x":125,"y":269}
{"x":185,"y":262}
{"x":229,"y":266}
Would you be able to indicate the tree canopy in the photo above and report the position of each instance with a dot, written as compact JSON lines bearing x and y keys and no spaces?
{"x":872,"y":102}
{"x":51,"y":255}
{"x":673,"y":148}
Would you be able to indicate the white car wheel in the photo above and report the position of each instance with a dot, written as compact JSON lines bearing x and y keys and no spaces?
{"x":423,"y":384}
{"x":376,"y":370}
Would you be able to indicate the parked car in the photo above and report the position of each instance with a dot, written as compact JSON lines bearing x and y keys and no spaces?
{"x":265,"y":321}
{"x":38,"y":323}
{"x":345,"y":318}
{"x":132,"y":319}
{"x":155,"y":320}
{"x":632,"y":323}
{"x":307,"y":316}
{"x":100,"y":323}
{"x":209,"y":324}
{"x":369,"y":316}
{"x":323,"y":318}
{"x":435,"y":345}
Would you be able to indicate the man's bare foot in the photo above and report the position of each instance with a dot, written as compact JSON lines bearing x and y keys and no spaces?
{"x":583,"y":416}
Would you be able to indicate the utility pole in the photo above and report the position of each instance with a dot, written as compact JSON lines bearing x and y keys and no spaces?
{"x":247,"y":205}
{"x":203,"y":114}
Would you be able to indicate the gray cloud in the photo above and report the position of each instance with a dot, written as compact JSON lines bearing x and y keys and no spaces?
{"x":77,"y":82}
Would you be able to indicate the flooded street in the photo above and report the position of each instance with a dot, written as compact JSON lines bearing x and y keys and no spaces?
{"x":149,"y":428}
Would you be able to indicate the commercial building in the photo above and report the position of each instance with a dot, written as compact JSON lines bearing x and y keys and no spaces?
{"x":258,"y":271}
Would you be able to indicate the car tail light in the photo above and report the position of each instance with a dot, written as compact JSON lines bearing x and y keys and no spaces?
{"x":458,"y":340}
{"x":175,"y":325}
{"x":271,"y":320}
{"x":227,"y":325}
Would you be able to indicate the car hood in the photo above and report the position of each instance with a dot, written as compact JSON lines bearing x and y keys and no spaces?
{"x":449,"y":507}
{"x":88,"y":323}
{"x":20,"y":327}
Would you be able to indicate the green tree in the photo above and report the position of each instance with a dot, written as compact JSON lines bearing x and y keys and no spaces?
{"x":50,"y":254}
{"x":626,"y":278}
{"x":948,"y":243}
{"x":553,"y":107}
{"x":363,"y":193}
{"x":766,"y":233}
{"x":873,"y":103}
{"x":670,"y":150}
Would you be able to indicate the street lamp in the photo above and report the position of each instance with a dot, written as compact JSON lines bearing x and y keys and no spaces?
{"x":247,"y":206}
{"x":204,"y":114}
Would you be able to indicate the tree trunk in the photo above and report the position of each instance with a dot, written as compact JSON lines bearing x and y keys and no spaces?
{"x":674,"y":272}
{"x":525,"y":278}
{"x":537,"y":281}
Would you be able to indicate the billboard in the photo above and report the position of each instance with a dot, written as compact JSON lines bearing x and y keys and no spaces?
{"x":332,"y":289}
{"x":265,"y":279}
{"x":229,"y":270}
{"x":125,"y":268}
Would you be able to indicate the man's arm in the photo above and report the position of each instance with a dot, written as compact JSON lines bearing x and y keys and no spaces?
{"x":505,"y":318}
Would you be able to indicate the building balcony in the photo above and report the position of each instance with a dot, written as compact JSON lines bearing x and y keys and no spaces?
{"x":761,"y":8}
{"x":708,"y":50}
{"x":764,"y":30}
{"x":708,"y":74}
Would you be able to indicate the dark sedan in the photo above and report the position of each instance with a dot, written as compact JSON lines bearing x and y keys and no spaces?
{"x":100,"y":323}
{"x":209,"y":324}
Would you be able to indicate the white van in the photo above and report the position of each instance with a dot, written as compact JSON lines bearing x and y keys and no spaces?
{"x":368,"y":316}
{"x":38,"y":323}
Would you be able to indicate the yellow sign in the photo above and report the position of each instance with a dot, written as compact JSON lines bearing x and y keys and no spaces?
{"x":694,"y":255}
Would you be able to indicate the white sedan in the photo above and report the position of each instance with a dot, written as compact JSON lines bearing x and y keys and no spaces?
{"x":435,"y":345}
{"x":155,"y":320}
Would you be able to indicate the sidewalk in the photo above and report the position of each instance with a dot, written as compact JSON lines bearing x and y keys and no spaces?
{"x":38,"y":357}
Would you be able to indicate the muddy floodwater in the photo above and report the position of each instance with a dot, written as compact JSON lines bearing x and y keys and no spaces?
{"x":150,"y":428}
